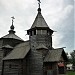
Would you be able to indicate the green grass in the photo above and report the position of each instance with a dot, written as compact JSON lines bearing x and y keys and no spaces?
{"x":71,"y":73}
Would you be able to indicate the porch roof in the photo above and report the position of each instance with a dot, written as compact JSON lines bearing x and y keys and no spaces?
{"x":41,"y":46}
{"x":55,"y":55}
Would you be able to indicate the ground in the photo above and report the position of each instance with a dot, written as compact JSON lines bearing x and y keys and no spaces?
{"x":70,"y":73}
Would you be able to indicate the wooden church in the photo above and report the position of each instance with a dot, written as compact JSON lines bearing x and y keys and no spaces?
{"x":33,"y":57}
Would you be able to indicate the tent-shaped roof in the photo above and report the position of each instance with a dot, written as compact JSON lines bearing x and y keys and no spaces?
{"x":12,"y":36}
{"x":19,"y":52}
{"x":55,"y":55}
{"x":39,"y":20}
{"x":39,"y":23}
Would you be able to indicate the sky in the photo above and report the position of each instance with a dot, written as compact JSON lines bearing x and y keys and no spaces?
{"x":59,"y":15}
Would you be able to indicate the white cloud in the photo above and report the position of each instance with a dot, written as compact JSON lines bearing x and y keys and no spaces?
{"x":59,"y":19}
{"x":57,"y":39}
{"x":52,"y":7}
{"x":60,"y":15}
{"x":67,"y":10}
{"x":54,"y":12}
{"x":16,"y":3}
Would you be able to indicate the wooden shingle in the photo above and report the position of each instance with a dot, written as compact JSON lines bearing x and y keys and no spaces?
{"x":19,"y":52}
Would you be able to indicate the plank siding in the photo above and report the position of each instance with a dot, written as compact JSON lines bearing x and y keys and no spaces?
{"x":34,"y":63}
{"x":1,"y":55}
{"x":35,"y":58}
{"x":13,"y":67}
{"x":3,"y":42}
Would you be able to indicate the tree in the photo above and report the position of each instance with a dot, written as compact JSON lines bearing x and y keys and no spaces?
{"x":73,"y":59}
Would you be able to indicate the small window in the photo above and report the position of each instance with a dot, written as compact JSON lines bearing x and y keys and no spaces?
{"x":27,"y":32}
{"x":44,"y":31}
{"x":38,"y":31}
{"x":9,"y":65}
{"x":34,"y":32}
{"x":48,"y":33}
{"x":31,"y":33}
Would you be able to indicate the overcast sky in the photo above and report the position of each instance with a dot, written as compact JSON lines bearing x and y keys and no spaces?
{"x":59,"y":15}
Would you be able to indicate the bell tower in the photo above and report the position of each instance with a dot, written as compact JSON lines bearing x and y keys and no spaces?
{"x":40,"y":33}
{"x":40,"y":38}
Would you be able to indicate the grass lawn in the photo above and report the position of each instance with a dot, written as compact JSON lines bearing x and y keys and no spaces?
{"x":71,"y":73}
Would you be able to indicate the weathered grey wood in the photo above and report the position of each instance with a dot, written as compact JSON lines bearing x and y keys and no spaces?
{"x":3,"y":52}
{"x":13,"y":67}
{"x":32,"y":63}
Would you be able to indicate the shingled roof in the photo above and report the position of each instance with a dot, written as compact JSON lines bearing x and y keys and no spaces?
{"x":12,"y":36}
{"x":19,"y":52}
{"x":39,"y":20}
{"x":54,"y":55}
{"x":7,"y":46}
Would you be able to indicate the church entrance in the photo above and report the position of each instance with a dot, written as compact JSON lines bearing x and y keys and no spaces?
{"x":61,"y":69}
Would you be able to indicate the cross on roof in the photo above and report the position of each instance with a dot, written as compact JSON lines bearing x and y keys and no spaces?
{"x":39,"y":2}
{"x":12,"y":19}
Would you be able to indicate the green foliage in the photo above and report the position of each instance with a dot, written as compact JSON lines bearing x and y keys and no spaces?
{"x":73,"y":59}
